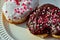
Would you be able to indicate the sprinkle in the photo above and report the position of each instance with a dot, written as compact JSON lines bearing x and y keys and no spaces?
{"x":40,"y":24}
{"x":31,"y":27}
{"x":48,"y":7}
{"x":31,"y":16}
{"x":41,"y":27}
{"x":30,"y":9}
{"x":17,"y":8}
{"x":29,"y":3}
{"x":39,"y":21}
{"x":59,"y":10}
{"x":34,"y":12}
{"x":34,"y":22}
{"x":23,"y":4}
{"x":59,"y":24}
{"x":17,"y":2}
{"x":20,"y":8}
{"x":5,"y":11}
{"x":18,"y":11}
{"x":21,"y":13}
{"x":25,"y":7}
{"x":37,"y":24}
{"x":38,"y":10}
{"x":42,"y":13}
{"x":9,"y":19}
{"x":58,"y":27}
{"x":15,"y":17}
{"x":55,"y":10}
{"x":43,"y":10}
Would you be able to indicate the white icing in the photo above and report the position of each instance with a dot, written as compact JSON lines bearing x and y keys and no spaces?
{"x":9,"y":6}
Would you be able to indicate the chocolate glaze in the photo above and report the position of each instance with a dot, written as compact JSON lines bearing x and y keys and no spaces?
{"x":44,"y":19}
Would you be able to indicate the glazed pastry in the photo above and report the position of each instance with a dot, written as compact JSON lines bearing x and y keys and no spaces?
{"x":16,"y":11}
{"x":41,"y":20}
{"x":55,"y":26}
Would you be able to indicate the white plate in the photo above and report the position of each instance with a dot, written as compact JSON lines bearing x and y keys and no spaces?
{"x":19,"y":32}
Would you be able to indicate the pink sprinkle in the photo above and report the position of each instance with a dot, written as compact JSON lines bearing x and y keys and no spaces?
{"x":21,"y":13}
{"x":31,"y":15}
{"x":20,"y":8}
{"x":37,"y":26}
{"x":23,"y":4}
{"x":31,"y":28}
{"x":25,"y":7}
{"x":39,"y":21}
{"x":30,"y":9}
{"x":17,"y":2}
{"x":15,"y":10}
{"x":18,"y":12}
{"x":29,"y":3}
{"x":15,"y":17}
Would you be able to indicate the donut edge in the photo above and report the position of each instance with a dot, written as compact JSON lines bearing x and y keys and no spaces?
{"x":14,"y":22}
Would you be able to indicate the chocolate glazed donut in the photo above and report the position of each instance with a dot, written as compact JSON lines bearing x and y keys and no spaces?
{"x":44,"y":20}
{"x":55,"y":25}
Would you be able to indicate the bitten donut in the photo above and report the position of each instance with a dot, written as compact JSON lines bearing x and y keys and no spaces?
{"x":44,"y":20}
{"x":16,"y":11}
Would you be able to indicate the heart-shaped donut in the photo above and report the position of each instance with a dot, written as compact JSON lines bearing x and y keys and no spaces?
{"x":16,"y":11}
{"x":45,"y":20}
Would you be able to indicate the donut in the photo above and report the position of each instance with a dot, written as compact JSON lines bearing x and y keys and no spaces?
{"x":55,"y":26}
{"x":44,"y":20}
{"x":16,"y":11}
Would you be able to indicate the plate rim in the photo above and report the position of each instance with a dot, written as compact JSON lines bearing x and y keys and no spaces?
{"x":3,"y":31}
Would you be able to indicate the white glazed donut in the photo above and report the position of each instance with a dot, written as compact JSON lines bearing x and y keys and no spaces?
{"x":18,"y":10}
